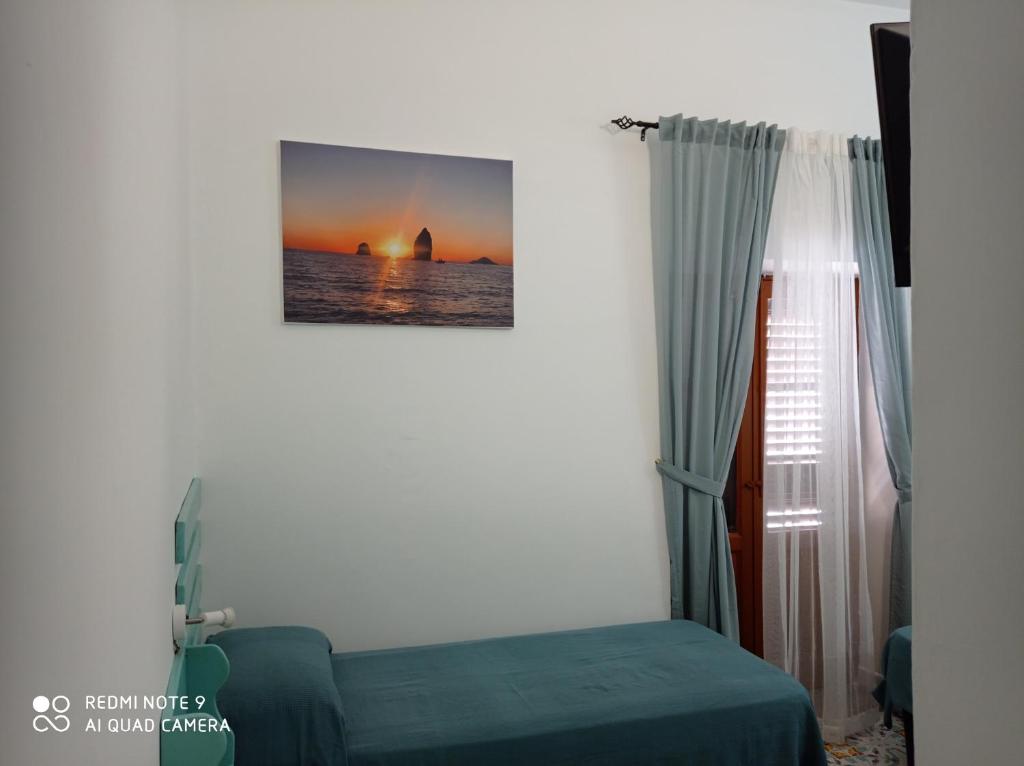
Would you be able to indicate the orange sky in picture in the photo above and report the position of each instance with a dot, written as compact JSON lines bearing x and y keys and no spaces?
{"x":346,"y":240}
{"x":333,"y":198}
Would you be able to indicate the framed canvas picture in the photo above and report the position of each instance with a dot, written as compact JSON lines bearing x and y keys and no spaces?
{"x":385,"y":237}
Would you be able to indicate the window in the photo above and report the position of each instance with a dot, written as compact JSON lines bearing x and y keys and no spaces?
{"x":779,"y":424}
{"x":792,"y":418}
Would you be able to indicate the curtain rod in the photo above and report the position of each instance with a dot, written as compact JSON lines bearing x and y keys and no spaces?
{"x":625,"y":123}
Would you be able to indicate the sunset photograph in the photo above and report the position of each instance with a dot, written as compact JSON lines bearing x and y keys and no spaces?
{"x":371,"y":236}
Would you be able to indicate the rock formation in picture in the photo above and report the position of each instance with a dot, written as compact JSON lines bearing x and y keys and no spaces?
{"x":484,"y":261}
{"x":423,"y":247}
{"x":363,"y":249}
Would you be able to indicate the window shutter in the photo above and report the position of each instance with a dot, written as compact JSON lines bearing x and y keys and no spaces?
{"x":792,"y":428}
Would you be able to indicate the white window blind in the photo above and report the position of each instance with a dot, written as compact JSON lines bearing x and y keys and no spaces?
{"x":793,"y":412}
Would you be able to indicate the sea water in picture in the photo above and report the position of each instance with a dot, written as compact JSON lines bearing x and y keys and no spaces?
{"x":383,"y":237}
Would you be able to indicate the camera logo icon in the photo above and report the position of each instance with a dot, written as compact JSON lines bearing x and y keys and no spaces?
{"x":59,"y":705}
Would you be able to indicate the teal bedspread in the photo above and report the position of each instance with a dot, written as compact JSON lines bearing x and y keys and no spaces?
{"x":895,"y":693}
{"x":652,"y":693}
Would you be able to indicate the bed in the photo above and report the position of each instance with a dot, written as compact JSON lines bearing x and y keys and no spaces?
{"x":629,"y":694}
{"x":895,"y":692}
{"x":649,"y":693}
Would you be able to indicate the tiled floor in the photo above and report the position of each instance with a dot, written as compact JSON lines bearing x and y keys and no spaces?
{"x":877,"y":745}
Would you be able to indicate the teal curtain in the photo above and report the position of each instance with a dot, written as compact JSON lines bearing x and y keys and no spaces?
{"x":711,"y":190}
{"x":886,"y":312}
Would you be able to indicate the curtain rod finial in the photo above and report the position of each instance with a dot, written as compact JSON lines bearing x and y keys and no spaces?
{"x":625,"y":123}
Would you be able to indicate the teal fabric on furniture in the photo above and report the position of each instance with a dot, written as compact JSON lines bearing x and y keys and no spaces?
{"x":711,"y":190}
{"x":886,"y":311}
{"x":299,"y":635}
{"x":280,"y":699}
{"x":628,"y":695}
{"x":895,"y":693}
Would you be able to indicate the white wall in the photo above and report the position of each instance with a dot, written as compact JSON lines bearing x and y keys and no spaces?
{"x":968,"y":269}
{"x":406,"y":485}
{"x":96,"y":442}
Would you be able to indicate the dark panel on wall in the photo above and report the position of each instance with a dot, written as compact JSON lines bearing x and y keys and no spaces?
{"x":891,"y":46}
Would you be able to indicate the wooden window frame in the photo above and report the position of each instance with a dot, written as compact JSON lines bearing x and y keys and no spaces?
{"x":746,"y":539}
{"x":746,"y":483}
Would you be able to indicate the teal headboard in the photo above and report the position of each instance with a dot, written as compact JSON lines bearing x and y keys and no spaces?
{"x":191,"y":735}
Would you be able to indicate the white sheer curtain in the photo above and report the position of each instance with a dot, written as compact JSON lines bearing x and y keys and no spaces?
{"x":817,"y":614}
